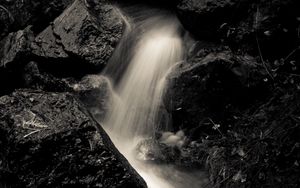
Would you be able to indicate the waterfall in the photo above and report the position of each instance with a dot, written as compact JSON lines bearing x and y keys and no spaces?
{"x":138,"y":70}
{"x":141,"y":88}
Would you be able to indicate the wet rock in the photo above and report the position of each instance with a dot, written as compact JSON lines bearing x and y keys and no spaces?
{"x":89,"y":33}
{"x":158,"y":3}
{"x":275,"y":25}
{"x":250,"y":26}
{"x":15,"y":46}
{"x":204,"y":17}
{"x":46,"y":44}
{"x":13,"y":51}
{"x":35,"y":79}
{"x":265,"y":128}
{"x":96,"y":93}
{"x":150,"y":150}
{"x":211,"y":89}
{"x":18,"y":14}
{"x":49,"y":140}
{"x":192,"y":155}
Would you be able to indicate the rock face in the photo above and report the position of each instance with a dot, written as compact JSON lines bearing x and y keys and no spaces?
{"x":267,"y":138}
{"x":49,"y":140}
{"x":14,"y":46}
{"x":237,"y":93}
{"x":77,"y":32}
{"x":204,"y":17}
{"x":96,"y":93}
{"x":16,"y":15}
{"x":14,"y":49}
{"x":78,"y":42}
{"x":214,"y":87}
{"x":34,"y":78}
{"x":151,"y":150}
{"x":244,"y":25}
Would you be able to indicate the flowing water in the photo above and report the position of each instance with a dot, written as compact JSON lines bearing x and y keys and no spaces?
{"x":149,"y":51}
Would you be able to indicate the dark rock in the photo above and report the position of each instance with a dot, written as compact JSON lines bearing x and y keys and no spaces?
{"x":214,"y":88}
{"x":204,"y":17}
{"x":46,"y":44}
{"x":90,"y":37}
{"x":156,"y":3}
{"x":96,"y":93}
{"x":151,"y":150}
{"x":35,"y":79}
{"x":193,"y":155}
{"x":14,"y":46}
{"x":257,"y":27}
{"x":268,"y":139}
{"x":14,"y":49}
{"x":18,"y":14}
{"x":190,"y":156}
{"x":49,"y":140}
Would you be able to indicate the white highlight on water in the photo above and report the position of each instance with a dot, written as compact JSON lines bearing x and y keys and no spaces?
{"x":136,"y":110}
{"x":142,"y":86}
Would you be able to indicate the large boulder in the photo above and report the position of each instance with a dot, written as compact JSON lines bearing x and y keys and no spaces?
{"x":49,"y":140}
{"x":262,"y":148}
{"x":204,"y":17}
{"x":18,"y":14}
{"x":14,"y":46}
{"x":212,"y":89}
{"x":252,"y":26}
{"x":95,"y":91}
{"x":78,"y":42}
{"x":88,"y":32}
{"x":13,"y":49}
{"x":35,"y":78}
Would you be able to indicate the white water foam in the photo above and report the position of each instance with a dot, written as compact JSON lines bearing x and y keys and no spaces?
{"x":137,"y":110}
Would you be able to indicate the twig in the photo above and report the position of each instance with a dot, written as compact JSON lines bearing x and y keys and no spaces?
{"x":258,"y":46}
{"x":216,"y":126}
{"x":290,"y":54}
{"x":222,"y":181}
{"x":31,"y":133}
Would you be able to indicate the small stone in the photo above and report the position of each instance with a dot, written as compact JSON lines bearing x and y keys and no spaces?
{"x":267,"y":33}
{"x":78,"y":141}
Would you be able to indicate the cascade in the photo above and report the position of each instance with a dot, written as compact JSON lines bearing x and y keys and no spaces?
{"x":150,"y":50}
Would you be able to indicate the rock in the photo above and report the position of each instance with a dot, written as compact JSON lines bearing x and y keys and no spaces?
{"x":190,"y":156}
{"x":96,"y":93}
{"x":18,"y":14}
{"x":193,"y":156}
{"x":14,"y":46}
{"x":89,"y":33}
{"x":13,"y":50}
{"x":155,"y":3}
{"x":250,"y":26}
{"x":264,"y":127}
{"x":35,"y":79}
{"x":150,"y":150}
{"x":46,"y":44}
{"x":204,"y":17}
{"x":214,"y":87}
{"x":49,"y":140}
